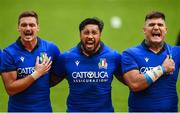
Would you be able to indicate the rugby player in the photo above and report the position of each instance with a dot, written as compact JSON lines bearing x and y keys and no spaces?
{"x":26,"y":67}
{"x":153,"y":66}
{"x":89,"y":68}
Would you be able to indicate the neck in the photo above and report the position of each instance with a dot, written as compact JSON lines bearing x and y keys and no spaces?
{"x":29,"y":45}
{"x":155,"y":47}
{"x":89,"y":53}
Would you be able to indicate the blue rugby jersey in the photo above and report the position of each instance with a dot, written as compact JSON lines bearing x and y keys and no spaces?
{"x":89,"y":78}
{"x":35,"y":98}
{"x":161,"y":95}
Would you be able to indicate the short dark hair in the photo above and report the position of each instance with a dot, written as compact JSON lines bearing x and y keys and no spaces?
{"x":28,"y":14}
{"x":94,"y":20}
{"x":155,"y":14}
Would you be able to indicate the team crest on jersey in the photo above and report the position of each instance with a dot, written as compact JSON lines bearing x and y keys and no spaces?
{"x":102,"y":63}
{"x":42,"y":56}
{"x":146,"y":59}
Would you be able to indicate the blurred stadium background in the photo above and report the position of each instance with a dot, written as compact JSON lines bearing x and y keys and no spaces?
{"x":59,"y":20}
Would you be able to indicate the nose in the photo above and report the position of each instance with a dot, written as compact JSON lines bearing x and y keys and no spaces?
{"x":28,"y":27}
{"x":156,"y":26}
{"x":90,"y":36}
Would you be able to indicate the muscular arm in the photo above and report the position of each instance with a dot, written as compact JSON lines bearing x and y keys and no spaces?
{"x":14,"y":86}
{"x":138,"y":82}
{"x":135,"y":81}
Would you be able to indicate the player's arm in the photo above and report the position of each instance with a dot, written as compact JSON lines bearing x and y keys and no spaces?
{"x":55,"y":73}
{"x":138,"y":82}
{"x":54,"y":79}
{"x":120,"y":78}
{"x":58,"y":71}
{"x":118,"y":70}
{"x":14,"y":86}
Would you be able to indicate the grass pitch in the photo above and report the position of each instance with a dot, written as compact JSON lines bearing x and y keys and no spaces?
{"x":59,"y":21}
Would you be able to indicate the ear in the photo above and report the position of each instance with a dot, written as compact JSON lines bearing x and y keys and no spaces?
{"x":100,"y":34}
{"x":38,"y":28}
{"x":80,"y":34}
{"x":166,"y":30}
{"x":18,"y":29}
{"x":144,"y":29}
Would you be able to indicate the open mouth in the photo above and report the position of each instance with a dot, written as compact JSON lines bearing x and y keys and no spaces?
{"x":156,"y":34}
{"x":90,"y":43}
{"x":28,"y":33}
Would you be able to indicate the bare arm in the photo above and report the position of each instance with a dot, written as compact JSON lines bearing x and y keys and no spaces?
{"x":135,"y":80}
{"x":14,"y":86}
{"x":138,"y":82}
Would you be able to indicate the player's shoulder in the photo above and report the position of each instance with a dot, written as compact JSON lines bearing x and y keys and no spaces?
{"x":108,"y":49}
{"x":10,"y":48}
{"x":72,"y":52}
{"x":49,"y":45}
{"x":174,"y":49}
{"x":133,"y":49}
{"x":109,"y":52}
{"x":46,"y":42}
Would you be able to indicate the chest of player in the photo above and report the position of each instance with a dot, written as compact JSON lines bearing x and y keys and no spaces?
{"x":148,"y":60}
{"x":88,"y":70}
{"x":25,"y":61}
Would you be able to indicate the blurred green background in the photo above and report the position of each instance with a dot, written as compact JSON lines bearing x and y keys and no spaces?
{"x":59,"y":21}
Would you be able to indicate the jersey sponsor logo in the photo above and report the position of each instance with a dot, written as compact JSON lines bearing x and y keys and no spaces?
{"x":144,"y":69}
{"x":90,"y":76}
{"x":102,"y":63}
{"x":23,"y":72}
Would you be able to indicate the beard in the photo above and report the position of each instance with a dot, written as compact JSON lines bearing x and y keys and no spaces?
{"x":90,"y":48}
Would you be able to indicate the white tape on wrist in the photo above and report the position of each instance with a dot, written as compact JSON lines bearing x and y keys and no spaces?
{"x":35,"y":75}
{"x":155,"y":73}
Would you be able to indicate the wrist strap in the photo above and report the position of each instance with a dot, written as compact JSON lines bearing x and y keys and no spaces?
{"x":153,"y":74}
{"x":35,"y":75}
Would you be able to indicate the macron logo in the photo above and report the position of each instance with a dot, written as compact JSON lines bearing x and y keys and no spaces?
{"x":146,"y":59}
{"x":77,"y":63}
{"x":22,"y":59}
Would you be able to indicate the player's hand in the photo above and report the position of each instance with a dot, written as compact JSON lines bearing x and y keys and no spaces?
{"x":43,"y":68}
{"x":169,"y":65}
